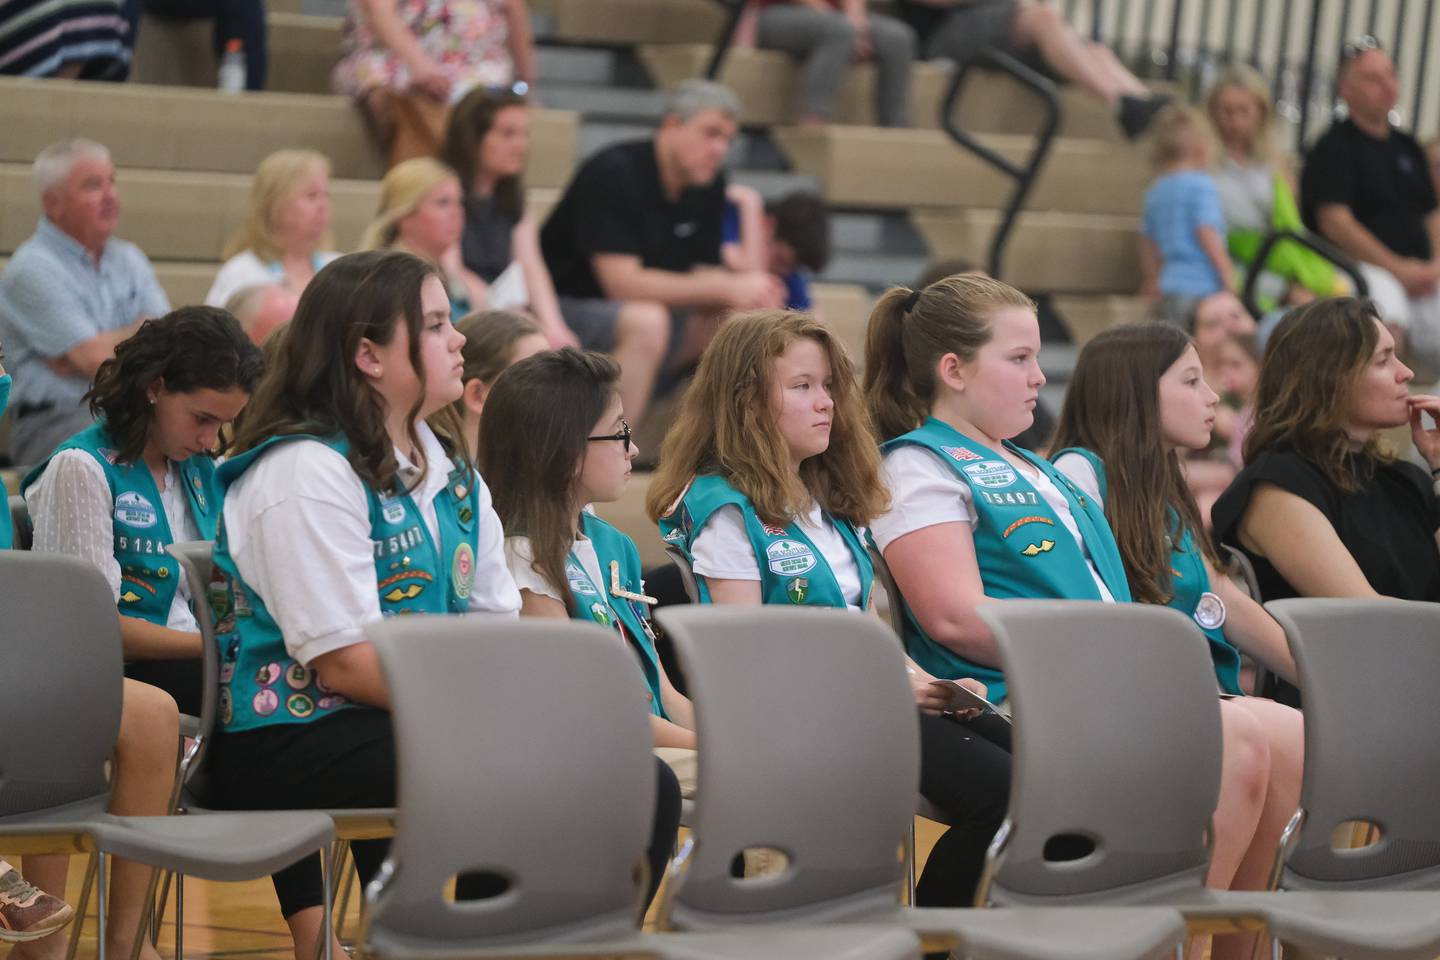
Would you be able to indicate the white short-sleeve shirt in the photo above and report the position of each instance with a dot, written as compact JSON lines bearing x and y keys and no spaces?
{"x":72,"y":512}
{"x":722,"y":550}
{"x":520,"y":558}
{"x":925,"y":492}
{"x":297,"y":525}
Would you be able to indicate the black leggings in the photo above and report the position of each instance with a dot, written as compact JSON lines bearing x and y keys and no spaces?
{"x":347,"y":761}
{"x":965,"y":771}
{"x":182,"y":679}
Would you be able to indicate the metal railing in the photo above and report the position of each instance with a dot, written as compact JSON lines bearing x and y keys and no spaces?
{"x":1295,"y":43}
{"x":1272,"y":242}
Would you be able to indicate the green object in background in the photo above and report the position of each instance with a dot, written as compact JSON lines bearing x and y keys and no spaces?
{"x":1288,"y":260}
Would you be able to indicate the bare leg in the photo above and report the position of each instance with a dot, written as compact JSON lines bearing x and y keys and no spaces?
{"x":1119,"y":73}
{"x":642,"y":334}
{"x":1043,"y":27}
{"x":378,"y":109}
{"x":1244,"y":774}
{"x":144,"y":776}
{"x":305,"y":932}
{"x":700,"y":329}
{"x":1284,"y":732}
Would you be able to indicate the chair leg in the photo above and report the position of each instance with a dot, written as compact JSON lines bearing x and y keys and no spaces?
{"x":179,"y":916}
{"x":81,"y":907}
{"x":102,"y":896}
{"x":910,"y":863}
{"x":327,"y":951}
{"x":345,"y":880}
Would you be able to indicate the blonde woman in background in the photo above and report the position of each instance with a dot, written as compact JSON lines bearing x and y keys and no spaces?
{"x":421,"y":213}
{"x":286,"y":238}
{"x":1257,"y":189}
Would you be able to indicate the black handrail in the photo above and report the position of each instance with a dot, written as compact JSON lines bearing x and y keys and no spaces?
{"x":722,"y":43}
{"x":1309,"y":240}
{"x":1022,"y":173}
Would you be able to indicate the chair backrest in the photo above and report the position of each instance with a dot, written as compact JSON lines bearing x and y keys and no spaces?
{"x":893,"y":604}
{"x":809,"y":744}
{"x":20,"y":522}
{"x":523,"y":750}
{"x":1117,"y":741}
{"x":1372,"y":739}
{"x":60,"y":681}
{"x":1241,"y":570}
{"x":197,"y":562}
{"x":687,"y":572}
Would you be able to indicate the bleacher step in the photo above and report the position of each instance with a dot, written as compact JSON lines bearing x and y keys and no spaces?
{"x":194,"y":129}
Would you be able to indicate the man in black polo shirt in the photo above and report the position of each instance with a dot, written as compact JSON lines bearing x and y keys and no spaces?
{"x":1366,"y":189}
{"x":634,"y":244}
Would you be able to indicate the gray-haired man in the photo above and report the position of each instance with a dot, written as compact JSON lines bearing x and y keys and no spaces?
{"x":69,"y":295}
{"x":636,"y":240}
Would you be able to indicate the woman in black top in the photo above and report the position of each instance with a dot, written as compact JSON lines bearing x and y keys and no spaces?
{"x":1322,"y":509}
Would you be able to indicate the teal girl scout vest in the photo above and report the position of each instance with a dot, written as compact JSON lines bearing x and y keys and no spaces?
{"x":1023,"y":549}
{"x":260,"y":684}
{"x":148,"y":575}
{"x":606,"y":603}
{"x":792,"y":568}
{"x":1189,"y":583}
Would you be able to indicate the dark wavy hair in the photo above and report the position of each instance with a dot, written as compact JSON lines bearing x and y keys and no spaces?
{"x":533,"y":434}
{"x":189,"y":349}
{"x":470,"y":121}
{"x":314,"y":387}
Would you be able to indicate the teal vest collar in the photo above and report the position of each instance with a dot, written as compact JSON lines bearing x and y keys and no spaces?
{"x":148,"y":575}
{"x":792,"y":568}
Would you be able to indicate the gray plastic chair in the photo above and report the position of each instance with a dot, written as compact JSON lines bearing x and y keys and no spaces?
{"x":1108,"y":696}
{"x":20,"y":522}
{"x":687,"y":572}
{"x":551,"y":787}
{"x":809,"y":744}
{"x":1372,"y":753}
{"x":196,"y":560}
{"x":894,"y":605}
{"x":63,"y":670}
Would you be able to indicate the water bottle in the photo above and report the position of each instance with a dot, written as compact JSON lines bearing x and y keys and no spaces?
{"x":232,"y":68}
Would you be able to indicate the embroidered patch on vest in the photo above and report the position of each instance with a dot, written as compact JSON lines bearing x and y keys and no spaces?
{"x":961,"y":454}
{"x":392,"y":510}
{"x":133,"y":509}
{"x":462,"y":570}
{"x":789,"y":558}
{"x":1035,"y":549}
{"x":1024,"y":520}
{"x":991,"y":473}
{"x":798,"y":590}
{"x":579,"y":582}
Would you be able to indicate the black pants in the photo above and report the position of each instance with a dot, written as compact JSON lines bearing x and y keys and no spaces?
{"x":182,"y":679}
{"x":242,"y":20}
{"x":346,"y":761}
{"x":965,"y":771}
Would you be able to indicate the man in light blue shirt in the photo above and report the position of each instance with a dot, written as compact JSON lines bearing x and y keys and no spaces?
{"x":69,"y":294}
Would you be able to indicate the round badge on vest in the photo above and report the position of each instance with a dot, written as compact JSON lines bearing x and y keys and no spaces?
{"x":1210,"y":611}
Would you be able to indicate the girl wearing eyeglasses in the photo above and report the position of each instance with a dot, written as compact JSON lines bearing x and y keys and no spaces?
{"x":553,"y":438}
{"x":766,"y":481}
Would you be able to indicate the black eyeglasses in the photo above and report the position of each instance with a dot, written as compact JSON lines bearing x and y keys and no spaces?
{"x":623,"y":436}
{"x":1361,"y":44}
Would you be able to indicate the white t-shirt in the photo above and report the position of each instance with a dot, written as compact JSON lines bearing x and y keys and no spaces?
{"x":298,"y":529}
{"x":245,"y":269}
{"x":72,"y":511}
{"x":925,"y":492}
{"x":722,"y":550}
{"x":1082,"y":473}
{"x":519,"y":557}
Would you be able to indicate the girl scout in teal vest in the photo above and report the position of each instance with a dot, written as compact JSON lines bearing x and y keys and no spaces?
{"x":341,"y":506}
{"x":553,"y":439}
{"x":1138,"y":398}
{"x":765,"y":483}
{"x":143,"y":477}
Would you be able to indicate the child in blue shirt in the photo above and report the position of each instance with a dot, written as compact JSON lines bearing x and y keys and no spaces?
{"x":1183,"y":251}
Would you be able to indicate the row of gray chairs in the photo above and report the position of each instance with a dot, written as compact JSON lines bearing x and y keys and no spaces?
{"x":1110,"y":695}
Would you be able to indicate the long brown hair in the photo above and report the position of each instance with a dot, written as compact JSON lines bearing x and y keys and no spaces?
{"x":470,"y":121}
{"x":1313,"y":364}
{"x":725,"y":426}
{"x":1112,"y":408}
{"x":910,"y":331}
{"x":314,"y":386}
{"x":189,"y":349}
{"x":533,"y":437}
